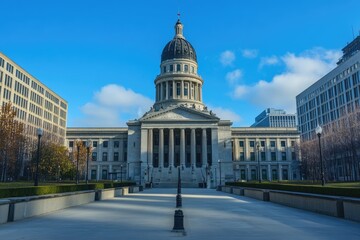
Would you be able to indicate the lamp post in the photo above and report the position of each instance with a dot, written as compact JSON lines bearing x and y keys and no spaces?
{"x":219,"y":161}
{"x":258,"y":158}
{"x":121,"y":172}
{"x":140,"y":162}
{"x":39,"y":133}
{"x":78,"y":142}
{"x":318,"y":131}
{"x":88,"y":147}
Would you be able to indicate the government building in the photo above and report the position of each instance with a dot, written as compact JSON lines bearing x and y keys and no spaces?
{"x":180,"y":131}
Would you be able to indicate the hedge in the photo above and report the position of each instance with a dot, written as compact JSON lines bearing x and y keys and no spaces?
{"x":333,"y":191}
{"x":52,"y":189}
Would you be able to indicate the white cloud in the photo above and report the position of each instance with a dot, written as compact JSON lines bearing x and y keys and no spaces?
{"x":225,"y":114}
{"x":301,"y":71}
{"x":227,"y":58}
{"x":113,"y":105}
{"x":234,"y":76}
{"x":268,"y":61}
{"x":250,"y":53}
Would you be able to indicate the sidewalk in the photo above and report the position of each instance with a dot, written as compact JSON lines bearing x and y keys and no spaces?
{"x":207,"y":215}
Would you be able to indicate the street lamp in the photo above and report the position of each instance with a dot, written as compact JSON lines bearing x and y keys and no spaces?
{"x":140,"y":162}
{"x":121,"y":172}
{"x":318,"y":131}
{"x":78,"y":142}
{"x":88,"y":147}
{"x":39,"y":134}
{"x":258,"y":158}
{"x":219,"y":161}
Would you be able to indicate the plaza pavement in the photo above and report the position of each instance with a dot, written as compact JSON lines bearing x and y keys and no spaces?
{"x":208,"y":215}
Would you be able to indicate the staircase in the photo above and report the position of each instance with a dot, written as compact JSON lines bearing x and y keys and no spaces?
{"x":166,"y":178}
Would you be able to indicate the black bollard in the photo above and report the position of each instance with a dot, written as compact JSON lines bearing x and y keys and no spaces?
{"x":178,"y":221}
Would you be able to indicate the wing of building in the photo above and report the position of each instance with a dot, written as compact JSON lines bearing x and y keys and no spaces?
{"x":180,"y":131}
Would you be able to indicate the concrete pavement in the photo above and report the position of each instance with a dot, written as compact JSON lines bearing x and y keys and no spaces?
{"x":208,"y":215}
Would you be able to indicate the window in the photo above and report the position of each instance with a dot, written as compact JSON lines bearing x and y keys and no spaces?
{"x":263,"y":156}
{"x":171,"y":89}
{"x":252,"y":143}
{"x":283,"y":156}
{"x":273,"y":156}
{"x":164,"y":69}
{"x":116,"y":144}
{"x":171,"y":68}
{"x":178,"y":88}
{"x":293,"y":155}
{"x":241,"y":143}
{"x":186,"y":89}
{"x":105,"y":156}
{"x":116,"y":156}
{"x":71,"y":144}
{"x":105,"y":144}
{"x":252,"y":156}
{"x":95,"y":144}
{"x":178,"y":67}
{"x":262,"y":143}
{"x":242,"y":156}
{"x":272,"y":144}
{"x":292,"y":143}
{"x":282,"y":143}
{"x":94,"y":156}
{"x":186,"y":68}
{"x":192,"y":69}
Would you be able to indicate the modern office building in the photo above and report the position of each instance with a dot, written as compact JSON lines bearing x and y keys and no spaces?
{"x":272,"y":117}
{"x":36,"y":106}
{"x":333,"y":96}
{"x":179,"y":131}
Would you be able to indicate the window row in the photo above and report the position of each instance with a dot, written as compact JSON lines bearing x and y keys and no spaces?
{"x":262,"y":156}
{"x":179,"y":68}
{"x":22,"y":77}
{"x":262,"y":143}
{"x":20,"y":101}
{"x":104,"y":157}
{"x":105,"y":144}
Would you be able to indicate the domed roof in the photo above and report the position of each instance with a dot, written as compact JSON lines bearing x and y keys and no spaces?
{"x":178,"y":47}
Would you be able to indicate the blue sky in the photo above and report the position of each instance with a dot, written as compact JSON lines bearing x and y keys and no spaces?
{"x":103,"y":56}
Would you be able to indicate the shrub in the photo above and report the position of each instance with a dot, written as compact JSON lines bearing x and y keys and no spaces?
{"x":334,"y":191}
{"x":52,"y":189}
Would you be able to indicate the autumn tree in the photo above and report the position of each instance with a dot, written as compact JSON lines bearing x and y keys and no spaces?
{"x":54,"y":163}
{"x":79,"y":153}
{"x":12,"y":143}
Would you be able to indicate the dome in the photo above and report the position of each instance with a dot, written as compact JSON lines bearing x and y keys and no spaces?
{"x":178,"y":47}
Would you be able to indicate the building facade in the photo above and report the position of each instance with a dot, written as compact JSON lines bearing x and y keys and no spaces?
{"x":36,"y":105}
{"x":333,"y":96}
{"x":272,"y":117}
{"x":179,"y":131}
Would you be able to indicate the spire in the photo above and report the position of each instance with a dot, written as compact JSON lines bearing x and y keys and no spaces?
{"x":179,"y":28}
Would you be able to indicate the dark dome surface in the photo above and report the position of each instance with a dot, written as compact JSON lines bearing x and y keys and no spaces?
{"x":178,"y":48}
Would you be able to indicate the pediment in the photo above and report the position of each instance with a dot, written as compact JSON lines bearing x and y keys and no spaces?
{"x":179,"y":114}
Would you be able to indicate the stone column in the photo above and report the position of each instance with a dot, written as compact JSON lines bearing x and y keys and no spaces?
{"x":204,"y":148}
{"x":171,"y":147}
{"x":193,"y":147}
{"x":280,"y":172}
{"x":161,"y":147}
{"x":174,"y":89}
{"x":269,"y":172}
{"x":150,"y":147}
{"x":98,"y":177}
{"x":182,"y":90}
{"x":182,"y":146}
{"x":248,"y":171}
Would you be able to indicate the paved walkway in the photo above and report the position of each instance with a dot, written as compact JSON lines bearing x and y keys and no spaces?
{"x":208,"y":215}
